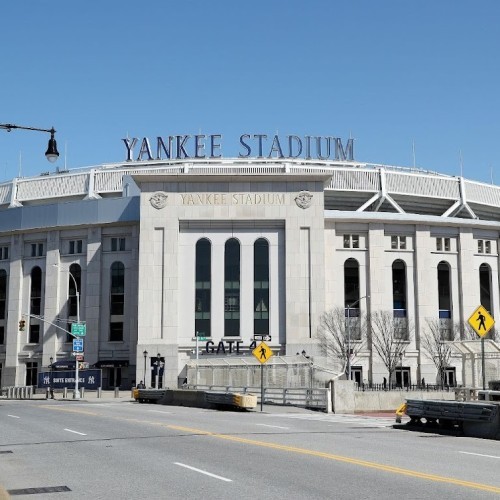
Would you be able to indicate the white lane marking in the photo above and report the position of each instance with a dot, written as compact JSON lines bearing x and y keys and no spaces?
{"x":76,"y":432}
{"x":274,"y":426}
{"x":159,"y":411}
{"x":478,"y":454}
{"x":13,"y":416}
{"x":204,"y":472}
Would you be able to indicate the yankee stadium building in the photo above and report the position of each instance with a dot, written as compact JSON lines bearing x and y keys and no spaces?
{"x":177,"y":242}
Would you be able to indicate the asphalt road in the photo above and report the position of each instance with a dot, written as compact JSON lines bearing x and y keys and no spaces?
{"x":124,"y":450}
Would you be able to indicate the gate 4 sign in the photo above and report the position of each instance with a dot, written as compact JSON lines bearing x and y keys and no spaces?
{"x":262,"y":352}
{"x":481,"y":321}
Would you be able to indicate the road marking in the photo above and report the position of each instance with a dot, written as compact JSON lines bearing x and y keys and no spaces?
{"x":76,"y":432}
{"x":340,"y":458}
{"x":13,"y":416}
{"x":159,"y":411}
{"x":204,"y":472}
{"x":273,"y":426}
{"x":478,"y":454}
{"x":83,"y":412}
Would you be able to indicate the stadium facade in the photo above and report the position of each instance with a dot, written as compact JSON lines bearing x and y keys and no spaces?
{"x":150,"y":252}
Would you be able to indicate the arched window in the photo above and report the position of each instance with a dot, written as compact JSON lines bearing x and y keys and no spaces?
{"x":399,"y":298}
{"x":444,"y":300}
{"x":117,"y":301}
{"x":351,"y":298}
{"x":261,"y":286}
{"x":485,"y":287}
{"x":35,"y":305}
{"x":203,"y":288}
{"x":232,"y":288}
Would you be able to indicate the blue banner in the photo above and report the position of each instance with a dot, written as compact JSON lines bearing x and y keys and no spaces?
{"x":90,"y":379}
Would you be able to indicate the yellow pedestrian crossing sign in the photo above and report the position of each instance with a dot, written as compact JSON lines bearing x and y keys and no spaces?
{"x":262,"y":352}
{"x":481,"y":321}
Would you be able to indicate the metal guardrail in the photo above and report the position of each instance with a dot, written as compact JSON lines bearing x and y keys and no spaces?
{"x":304,"y":397}
{"x":458,"y":411}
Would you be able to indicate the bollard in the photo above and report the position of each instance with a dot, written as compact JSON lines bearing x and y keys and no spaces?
{"x":65,"y":393}
{"x":99,"y":392}
{"x":10,"y":392}
{"x":30,"y":392}
{"x":117,"y":392}
{"x":82,"y":392}
{"x":47,"y":392}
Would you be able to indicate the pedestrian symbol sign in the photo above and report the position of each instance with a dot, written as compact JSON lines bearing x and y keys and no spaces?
{"x":262,"y":352}
{"x":481,"y":321}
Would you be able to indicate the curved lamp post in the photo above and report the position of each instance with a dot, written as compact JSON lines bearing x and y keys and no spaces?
{"x":51,"y":154}
{"x":145,"y":354}
{"x":349,"y":307}
{"x":76,"y":392}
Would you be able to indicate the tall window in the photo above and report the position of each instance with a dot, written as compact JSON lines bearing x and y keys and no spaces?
{"x":35,"y":304}
{"x":351,"y":298}
{"x":117,"y":301}
{"x":399,"y":298}
{"x":232,"y":288}
{"x":74,"y":291}
{"x":203,"y":285}
{"x":3,"y":293}
{"x":261,"y":286}
{"x":31,"y":373}
{"x":444,"y":300}
{"x":485,"y":287}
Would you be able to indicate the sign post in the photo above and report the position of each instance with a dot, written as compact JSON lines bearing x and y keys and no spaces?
{"x":263,"y":353}
{"x":481,"y":322}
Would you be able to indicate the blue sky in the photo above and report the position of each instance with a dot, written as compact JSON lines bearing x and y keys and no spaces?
{"x":388,"y":73}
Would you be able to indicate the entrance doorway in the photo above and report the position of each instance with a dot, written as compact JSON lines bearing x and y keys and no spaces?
{"x":403,"y":377}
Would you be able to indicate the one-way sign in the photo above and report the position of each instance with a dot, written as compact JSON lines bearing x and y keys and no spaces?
{"x":263,"y":337}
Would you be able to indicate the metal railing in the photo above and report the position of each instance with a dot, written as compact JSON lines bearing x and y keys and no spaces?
{"x":303,"y":397}
{"x":409,"y":387}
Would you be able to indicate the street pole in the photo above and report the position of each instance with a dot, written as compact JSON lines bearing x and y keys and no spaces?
{"x":261,"y":386}
{"x":145,"y":353}
{"x":483,"y":364}
{"x":158,"y":371}
{"x":76,"y":394}
{"x":349,"y":341}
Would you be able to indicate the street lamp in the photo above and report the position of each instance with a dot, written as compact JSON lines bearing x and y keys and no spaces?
{"x":51,"y":154}
{"x":401,"y":367}
{"x":76,"y":392}
{"x":349,"y":306}
{"x":145,"y":353}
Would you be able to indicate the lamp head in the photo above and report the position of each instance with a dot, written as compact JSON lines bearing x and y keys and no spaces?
{"x":52,"y":154}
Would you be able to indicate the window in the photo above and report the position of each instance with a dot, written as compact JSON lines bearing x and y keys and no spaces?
{"x":75,"y":246}
{"x":351,"y":298}
{"x":116,"y":331}
{"x":36,"y":291}
{"x":2,"y":335}
{"x":232,"y":288}
{"x":444,"y":301}
{"x":34,"y":334}
{"x":31,"y":373}
{"x":398,"y":242}
{"x":74,"y":289}
{"x":3,"y":293}
{"x":351,"y":240}
{"x":36,"y":249}
{"x":261,"y":286}
{"x":117,"y":301}
{"x":443,"y":244}
{"x":399,"y":299}
{"x":485,"y":286}
{"x":117,"y":244}
{"x":203,"y":288}
{"x":484,"y":246}
{"x":4,"y":253}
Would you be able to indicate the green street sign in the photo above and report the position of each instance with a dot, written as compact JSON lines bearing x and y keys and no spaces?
{"x":78,"y":329}
{"x":201,"y":339}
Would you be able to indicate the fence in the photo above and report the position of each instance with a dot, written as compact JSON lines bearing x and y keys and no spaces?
{"x":407,"y":388}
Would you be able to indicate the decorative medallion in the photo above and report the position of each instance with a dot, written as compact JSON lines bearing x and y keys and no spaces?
{"x":304,"y":199}
{"x":158,"y":200}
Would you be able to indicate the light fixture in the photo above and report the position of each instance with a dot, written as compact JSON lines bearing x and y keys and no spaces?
{"x":51,"y":154}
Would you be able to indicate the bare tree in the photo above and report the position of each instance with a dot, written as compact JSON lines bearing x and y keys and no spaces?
{"x":389,"y":337}
{"x":434,"y":342}
{"x":334,"y":331}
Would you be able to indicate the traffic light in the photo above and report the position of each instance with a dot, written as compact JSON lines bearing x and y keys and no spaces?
{"x":22,"y":324}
